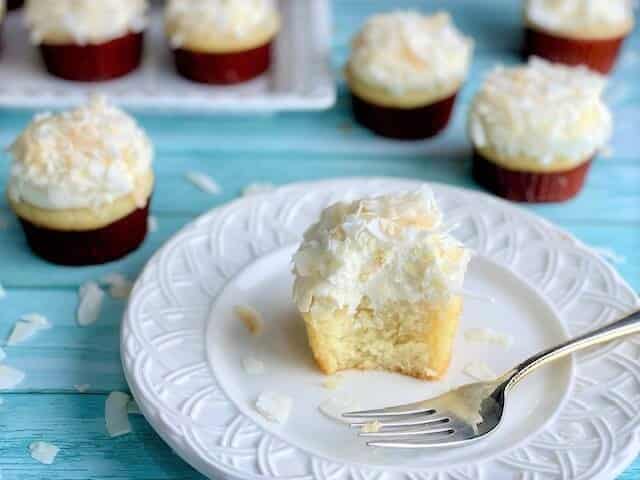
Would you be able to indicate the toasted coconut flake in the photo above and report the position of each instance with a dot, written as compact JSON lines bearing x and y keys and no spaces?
{"x":204,"y":182}
{"x":116,"y":415}
{"x":250,"y":317}
{"x":253,"y":366}
{"x":10,"y":377}
{"x":27,"y":327}
{"x":275,"y":407}
{"x":43,"y":452}
{"x":91,"y":297}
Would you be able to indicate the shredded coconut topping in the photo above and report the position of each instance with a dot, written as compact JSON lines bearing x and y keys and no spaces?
{"x":81,"y":158}
{"x":542,"y":112}
{"x":389,"y":248}
{"x":404,"y":51}
{"x":83,"y":21}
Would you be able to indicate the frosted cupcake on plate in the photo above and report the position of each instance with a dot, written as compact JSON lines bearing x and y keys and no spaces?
{"x":404,"y":72}
{"x":378,"y":284}
{"x":221,"y":41}
{"x":80,"y":184}
{"x":536,"y":128}
{"x":88,"y":40}
{"x":578,"y":32}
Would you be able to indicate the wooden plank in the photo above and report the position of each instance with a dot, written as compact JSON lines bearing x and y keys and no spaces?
{"x":75,"y":423}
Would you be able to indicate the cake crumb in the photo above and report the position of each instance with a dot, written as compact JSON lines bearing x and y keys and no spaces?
{"x":479,"y":370}
{"x":487,"y":335}
{"x":250,"y":317}
{"x":332,"y":382}
{"x":371,"y":427}
{"x":253,"y":366}
{"x":275,"y":407}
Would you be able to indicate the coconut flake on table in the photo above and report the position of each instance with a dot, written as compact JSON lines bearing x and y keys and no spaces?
{"x":82,"y":387}
{"x":10,"y":377}
{"x":152,"y":224}
{"x":479,"y":370}
{"x":119,"y":285}
{"x":43,"y":452}
{"x":116,"y":415}
{"x":204,"y":182}
{"x":253,"y":366}
{"x":257,"y":188}
{"x":334,"y":407}
{"x":273,"y":406}
{"x":91,"y":297}
{"x":487,"y":335}
{"x":26,"y":327}
{"x":250,"y":317}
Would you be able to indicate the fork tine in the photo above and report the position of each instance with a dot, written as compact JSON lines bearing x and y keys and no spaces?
{"x":445,"y":442}
{"x":411,"y":433}
{"x":429,"y":420}
{"x":397,"y":411}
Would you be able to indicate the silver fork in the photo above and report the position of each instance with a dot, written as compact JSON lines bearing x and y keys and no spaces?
{"x":472,"y":411}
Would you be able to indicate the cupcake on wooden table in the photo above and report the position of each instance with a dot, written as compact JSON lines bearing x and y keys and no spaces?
{"x":88,"y":40}
{"x":221,"y":41}
{"x":578,"y":32}
{"x":80,"y":183}
{"x":404,"y":72}
{"x":536,"y":128}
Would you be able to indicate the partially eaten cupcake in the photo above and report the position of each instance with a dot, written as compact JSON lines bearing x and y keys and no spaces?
{"x":378,"y":284}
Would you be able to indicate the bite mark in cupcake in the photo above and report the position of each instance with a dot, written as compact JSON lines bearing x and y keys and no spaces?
{"x":81,"y":182}
{"x":404,"y":72}
{"x":536,"y":128}
{"x":221,"y":42}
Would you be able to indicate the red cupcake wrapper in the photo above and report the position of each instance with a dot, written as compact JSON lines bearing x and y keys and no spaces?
{"x":14,"y":4}
{"x":599,"y":55}
{"x":91,"y":63}
{"x":222,"y":68}
{"x":90,"y":247}
{"x":404,"y":123}
{"x":529,"y":187}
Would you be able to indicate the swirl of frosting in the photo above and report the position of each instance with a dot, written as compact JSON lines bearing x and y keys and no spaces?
{"x":402,"y":52}
{"x":385,"y":249}
{"x":541,"y":116}
{"x":83,"y":21}
{"x":83,"y":158}
{"x":581,"y":18}
{"x":220,"y":25}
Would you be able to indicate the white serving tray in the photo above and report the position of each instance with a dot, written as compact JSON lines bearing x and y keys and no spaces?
{"x":299,"y":79}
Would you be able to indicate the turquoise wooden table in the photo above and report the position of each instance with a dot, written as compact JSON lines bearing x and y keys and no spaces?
{"x":237,"y":151}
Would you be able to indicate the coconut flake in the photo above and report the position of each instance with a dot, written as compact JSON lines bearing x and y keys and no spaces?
{"x":10,"y":377}
{"x":119,"y":286}
{"x":250,"y":317}
{"x":91,"y":297}
{"x":152,"y":224}
{"x":27,"y":327}
{"x":479,"y":370}
{"x":275,"y":407}
{"x":43,"y":452}
{"x":487,"y":335}
{"x":133,"y":408}
{"x":204,"y":182}
{"x":334,"y":407}
{"x":253,"y":366}
{"x":258,"y":188}
{"x":82,"y":388}
{"x":115,"y":414}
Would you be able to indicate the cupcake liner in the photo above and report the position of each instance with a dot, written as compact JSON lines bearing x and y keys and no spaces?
{"x":14,"y":4}
{"x":529,"y":186}
{"x":404,"y":123}
{"x":599,"y":55}
{"x":90,"y":63}
{"x":90,"y":247}
{"x":222,"y":68}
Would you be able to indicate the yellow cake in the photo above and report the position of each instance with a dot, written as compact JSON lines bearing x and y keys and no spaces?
{"x":378,"y":283}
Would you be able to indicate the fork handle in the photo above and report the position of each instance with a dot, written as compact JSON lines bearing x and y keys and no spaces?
{"x":620,"y":328}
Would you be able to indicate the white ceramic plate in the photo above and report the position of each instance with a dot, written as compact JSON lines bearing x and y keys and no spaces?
{"x":182,"y":349}
{"x":299,"y":79}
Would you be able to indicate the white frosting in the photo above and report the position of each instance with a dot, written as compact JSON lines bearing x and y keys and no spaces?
{"x":83,"y":21}
{"x":573,"y":16}
{"x":82,"y":158}
{"x":407,"y":51}
{"x":384,"y":249}
{"x":203,"y":18}
{"x":541,"y":112}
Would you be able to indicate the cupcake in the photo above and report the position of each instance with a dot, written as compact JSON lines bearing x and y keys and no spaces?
{"x":536,"y":128}
{"x":404,"y":72}
{"x":378,"y":283}
{"x":577,"y":32}
{"x":88,"y":40}
{"x":80,"y":184}
{"x":221,"y":41}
